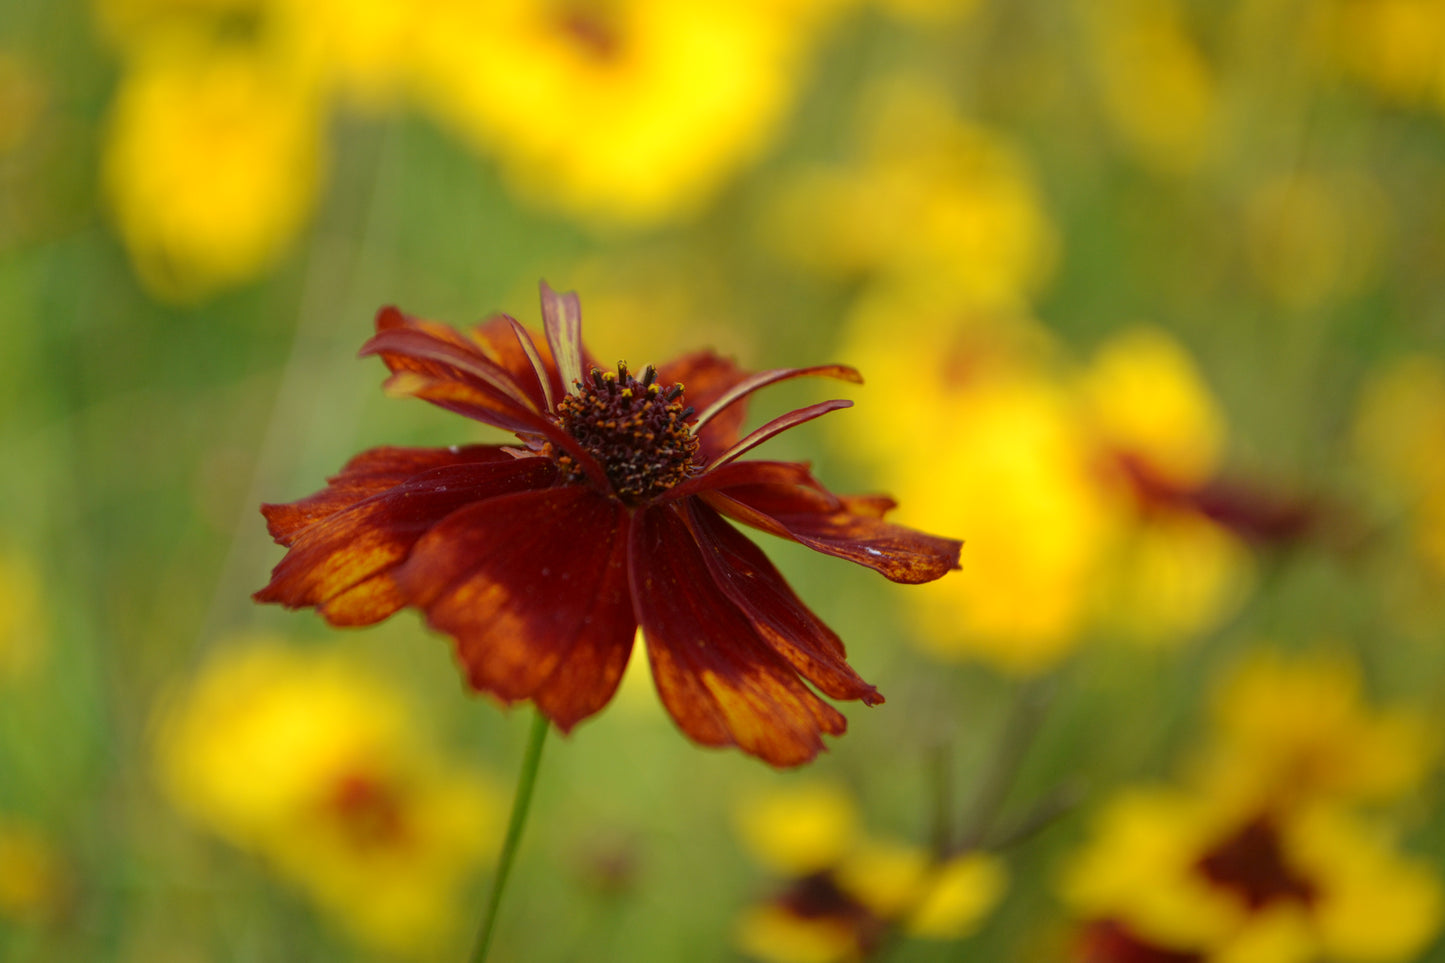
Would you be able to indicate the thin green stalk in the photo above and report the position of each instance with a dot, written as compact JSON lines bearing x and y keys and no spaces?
{"x":521,"y":802}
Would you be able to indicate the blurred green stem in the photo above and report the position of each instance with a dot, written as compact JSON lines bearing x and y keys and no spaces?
{"x":521,"y":802}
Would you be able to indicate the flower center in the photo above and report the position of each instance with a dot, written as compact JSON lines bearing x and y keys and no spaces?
{"x":636,"y":430}
{"x":1252,"y":863}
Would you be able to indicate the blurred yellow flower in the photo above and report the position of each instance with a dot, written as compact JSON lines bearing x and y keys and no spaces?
{"x":623,"y":113}
{"x":1395,"y":46}
{"x":1313,"y":238}
{"x":1402,"y":407}
{"x":33,"y":886}
{"x":23,"y":635}
{"x":1157,"y":88}
{"x":1194,"y":872}
{"x":931,"y":201}
{"x":1079,"y":490}
{"x":848,"y":890}
{"x":212,"y":161}
{"x":317,"y":766}
{"x":1300,"y":727}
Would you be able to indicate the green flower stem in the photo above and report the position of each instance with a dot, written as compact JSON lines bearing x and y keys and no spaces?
{"x":521,"y":802}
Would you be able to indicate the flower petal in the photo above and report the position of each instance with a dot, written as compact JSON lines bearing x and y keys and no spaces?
{"x":407,"y":343}
{"x":846,"y":527}
{"x":736,"y":473}
{"x":343,"y":563}
{"x":500,"y":339}
{"x":762,"y":379}
{"x":705,"y":377}
{"x":746,"y":577}
{"x":533,"y":587}
{"x":779,"y":425}
{"x":720,"y":681}
{"x":369,"y":473}
{"x":562,"y":319}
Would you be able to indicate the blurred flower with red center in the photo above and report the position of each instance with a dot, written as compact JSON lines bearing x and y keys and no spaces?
{"x":1180,"y":874}
{"x":848,"y":894}
{"x":318,"y":766}
{"x":1261,"y":855}
{"x":542,"y":560}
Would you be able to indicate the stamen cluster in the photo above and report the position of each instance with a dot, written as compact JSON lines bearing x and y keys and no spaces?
{"x":636,"y":430}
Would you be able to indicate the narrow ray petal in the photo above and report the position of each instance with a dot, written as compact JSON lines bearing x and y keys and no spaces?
{"x":720,"y":681}
{"x":761,"y":593}
{"x":779,"y":425}
{"x":526,"y":584}
{"x":562,"y":319}
{"x":367,"y":540}
{"x":851,"y":530}
{"x":497,"y":339}
{"x":705,"y":377}
{"x":735,"y":473}
{"x":409,"y":349}
{"x":764,"y":378}
{"x":539,"y":370}
{"x":369,"y":473}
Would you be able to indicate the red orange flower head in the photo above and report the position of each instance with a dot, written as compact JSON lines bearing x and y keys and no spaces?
{"x":541,"y":560}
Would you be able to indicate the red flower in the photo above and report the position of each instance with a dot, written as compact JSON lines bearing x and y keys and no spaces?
{"x":542,"y":560}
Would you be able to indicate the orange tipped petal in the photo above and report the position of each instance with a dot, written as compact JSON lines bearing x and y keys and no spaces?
{"x":846,"y":528}
{"x":332,"y":558}
{"x":533,"y":587}
{"x":720,"y":681}
{"x":760,"y":592}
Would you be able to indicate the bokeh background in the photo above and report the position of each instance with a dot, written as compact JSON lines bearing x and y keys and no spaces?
{"x":1148,"y":296}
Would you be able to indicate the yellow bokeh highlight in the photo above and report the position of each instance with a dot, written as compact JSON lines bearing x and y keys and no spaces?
{"x":1301,"y":726}
{"x":1397,"y":47}
{"x":317,"y":766}
{"x":960,"y":894}
{"x":212,"y":162}
{"x":625,"y":113}
{"x":33,"y":885}
{"x":772,"y":934}
{"x":1314,"y":238}
{"x":983,"y":429}
{"x":24,"y":636}
{"x":1401,"y":412}
{"x":1146,"y":397}
{"x":1156,"y":88}
{"x":931,"y":200}
{"x":799,"y":830}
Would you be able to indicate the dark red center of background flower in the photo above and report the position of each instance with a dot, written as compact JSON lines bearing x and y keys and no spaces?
{"x":1252,"y":864}
{"x":636,"y":429}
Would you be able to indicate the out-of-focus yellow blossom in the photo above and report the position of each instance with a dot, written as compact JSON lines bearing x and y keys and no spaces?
{"x":1258,"y":857}
{"x":1145,"y":397}
{"x":625,"y":113}
{"x":131,"y":25}
{"x":212,"y":162}
{"x":317,"y":766}
{"x":1312,"y":238}
{"x":932,"y":201}
{"x":1157,"y":89}
{"x":1196,"y":872}
{"x":1074,"y":489}
{"x":1300,"y":727}
{"x":802,"y":830}
{"x":22,"y":628}
{"x":1402,"y":412}
{"x":848,"y":890}
{"x":1395,"y":46}
{"x":33,"y":887}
